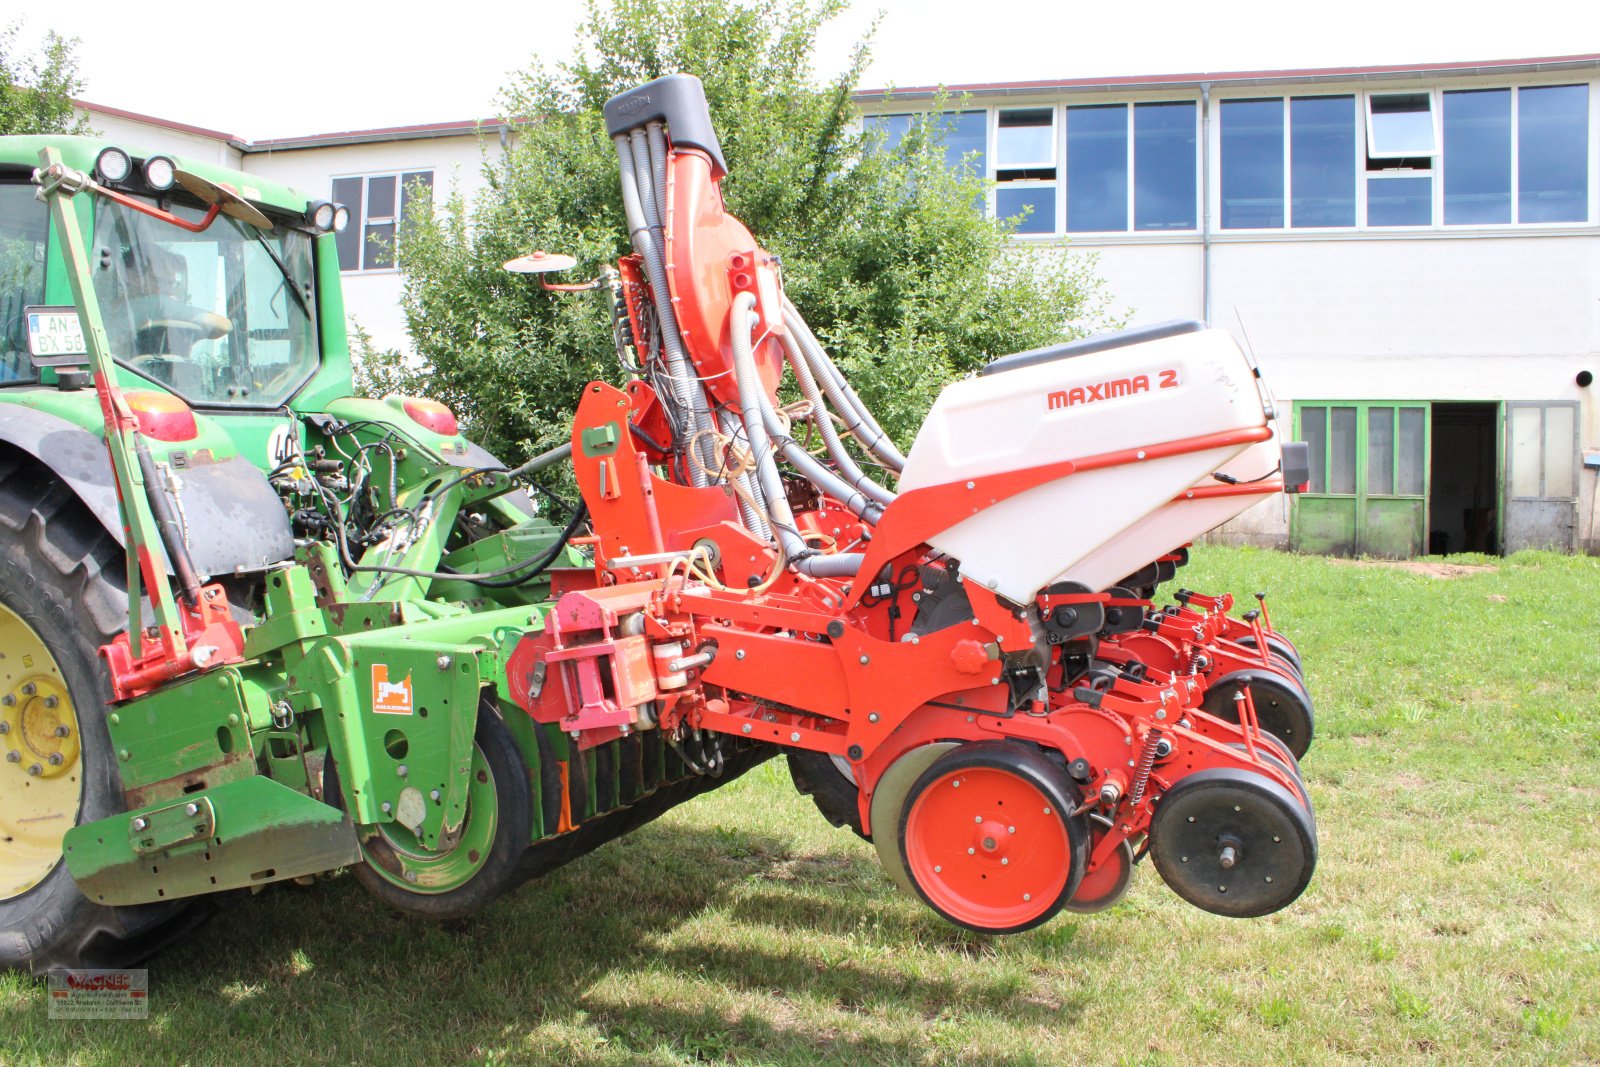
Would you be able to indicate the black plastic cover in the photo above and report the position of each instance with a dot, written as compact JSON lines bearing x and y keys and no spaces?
{"x":1296,"y":465}
{"x":679,"y":100}
{"x":1100,"y":342}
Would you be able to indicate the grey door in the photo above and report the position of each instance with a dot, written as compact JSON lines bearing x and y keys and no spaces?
{"x":1541,"y":497}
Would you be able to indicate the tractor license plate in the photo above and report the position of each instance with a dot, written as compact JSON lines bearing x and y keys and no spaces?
{"x":55,"y":336}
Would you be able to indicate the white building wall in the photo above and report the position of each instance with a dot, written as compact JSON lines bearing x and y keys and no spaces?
{"x":372,"y":298}
{"x":133,"y":134}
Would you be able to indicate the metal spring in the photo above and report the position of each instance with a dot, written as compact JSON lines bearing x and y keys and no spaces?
{"x":1147,"y":760}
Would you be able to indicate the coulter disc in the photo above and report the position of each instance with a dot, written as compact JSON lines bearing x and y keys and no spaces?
{"x":1233,"y":842}
{"x":1106,"y":884}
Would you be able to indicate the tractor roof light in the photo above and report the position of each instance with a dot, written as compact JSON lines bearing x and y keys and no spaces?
{"x":321,"y":215}
{"x":341,"y":218}
{"x":162,"y":415}
{"x":431,"y":415}
{"x":160,"y":172}
{"x":112,"y":165}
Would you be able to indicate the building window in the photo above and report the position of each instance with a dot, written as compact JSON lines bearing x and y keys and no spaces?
{"x":1025,"y":168}
{"x":1477,"y":157}
{"x":378,"y":205}
{"x":1252,"y":164}
{"x":965,"y":135}
{"x":1550,"y":128}
{"x":1163,"y":142}
{"x":1553,"y":153}
{"x":1322,"y":161}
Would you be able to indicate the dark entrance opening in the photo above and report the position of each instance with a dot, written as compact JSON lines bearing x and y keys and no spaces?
{"x":1463,"y":514}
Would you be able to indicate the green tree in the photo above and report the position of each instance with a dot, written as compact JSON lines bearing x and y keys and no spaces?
{"x":906,"y":284}
{"x":37,"y":87}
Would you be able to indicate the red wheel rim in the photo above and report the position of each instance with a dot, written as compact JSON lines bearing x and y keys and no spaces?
{"x":988,"y":848}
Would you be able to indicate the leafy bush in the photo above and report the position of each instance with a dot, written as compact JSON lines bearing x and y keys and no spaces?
{"x":881,"y":247}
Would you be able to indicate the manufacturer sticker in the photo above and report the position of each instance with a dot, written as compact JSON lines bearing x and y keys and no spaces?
{"x":390,"y":698}
{"x":1096,"y":391}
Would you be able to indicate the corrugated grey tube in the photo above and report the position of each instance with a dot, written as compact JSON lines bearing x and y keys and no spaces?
{"x":658,"y":165}
{"x":752,"y":517}
{"x":848,"y":468}
{"x":645,"y":174}
{"x":755,"y":429}
{"x":758,"y":417}
{"x":814,"y":470}
{"x":690,"y":397}
{"x":857,"y":419}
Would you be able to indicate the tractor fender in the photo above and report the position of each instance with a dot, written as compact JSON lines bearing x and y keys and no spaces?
{"x":233,"y":519}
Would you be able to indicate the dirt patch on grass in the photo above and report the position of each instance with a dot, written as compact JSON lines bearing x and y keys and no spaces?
{"x":1421,"y":566}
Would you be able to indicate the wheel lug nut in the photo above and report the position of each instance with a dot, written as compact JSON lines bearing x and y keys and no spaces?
{"x":28,"y":689}
{"x":972,"y":852}
{"x":5,"y":728}
{"x":13,"y":756}
{"x":63,"y":731}
{"x":9,"y":700}
{"x":35,"y":770}
{"x":1004,"y":862}
{"x":52,"y":702}
{"x":56,"y":759}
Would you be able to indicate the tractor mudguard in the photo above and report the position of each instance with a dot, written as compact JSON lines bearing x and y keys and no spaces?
{"x":234,"y":520}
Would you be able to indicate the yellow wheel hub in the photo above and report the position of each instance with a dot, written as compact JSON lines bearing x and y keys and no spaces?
{"x":40,"y":770}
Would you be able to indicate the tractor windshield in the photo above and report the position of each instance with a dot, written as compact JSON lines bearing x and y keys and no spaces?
{"x":223,"y":316}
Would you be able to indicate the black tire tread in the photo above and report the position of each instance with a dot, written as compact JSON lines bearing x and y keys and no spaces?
{"x":74,"y":554}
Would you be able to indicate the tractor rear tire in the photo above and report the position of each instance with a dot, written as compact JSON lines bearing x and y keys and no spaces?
{"x":816,"y":776}
{"x":62,"y":585}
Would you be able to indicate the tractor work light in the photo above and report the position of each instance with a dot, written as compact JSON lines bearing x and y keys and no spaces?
{"x":321,"y":215}
{"x":160,"y":172}
{"x":112,"y":165}
{"x":341,"y":218}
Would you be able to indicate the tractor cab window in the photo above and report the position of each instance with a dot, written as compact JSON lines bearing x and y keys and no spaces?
{"x":224,"y":316}
{"x":24,"y":225}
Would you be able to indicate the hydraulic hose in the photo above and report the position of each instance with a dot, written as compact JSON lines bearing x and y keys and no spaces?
{"x":687,"y":390}
{"x":848,"y":468}
{"x":857,"y":419}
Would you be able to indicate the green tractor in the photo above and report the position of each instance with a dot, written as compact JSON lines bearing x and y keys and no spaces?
{"x":254,"y":628}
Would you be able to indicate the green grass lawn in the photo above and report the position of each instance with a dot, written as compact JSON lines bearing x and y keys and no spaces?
{"x":1455,"y":915}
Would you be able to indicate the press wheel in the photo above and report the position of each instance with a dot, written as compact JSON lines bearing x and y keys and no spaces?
{"x":1233,"y":842}
{"x":1283,"y":707}
{"x":988,"y":838}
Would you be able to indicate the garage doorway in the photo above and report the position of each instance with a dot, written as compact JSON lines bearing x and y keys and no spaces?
{"x":1463,"y":484}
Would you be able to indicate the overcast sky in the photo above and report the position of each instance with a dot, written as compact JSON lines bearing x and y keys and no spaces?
{"x":282,"y":70}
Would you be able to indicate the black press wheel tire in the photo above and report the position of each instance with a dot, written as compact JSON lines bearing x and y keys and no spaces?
{"x":499,"y":872}
{"x":61,"y":574}
{"x":1233,"y":842}
{"x":816,"y":776}
{"x":1283,"y":707}
{"x":1278,"y":646}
